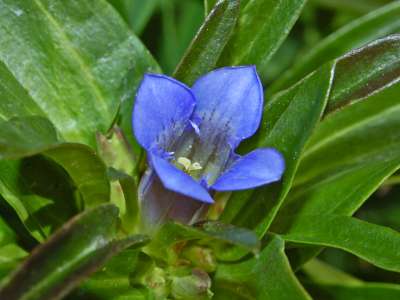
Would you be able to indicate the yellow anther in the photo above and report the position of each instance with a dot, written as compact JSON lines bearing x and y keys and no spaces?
{"x":188,"y":165}
{"x":185,"y":162}
{"x":195,"y":166}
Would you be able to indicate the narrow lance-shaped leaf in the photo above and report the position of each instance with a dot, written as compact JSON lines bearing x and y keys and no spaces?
{"x":351,"y":165}
{"x":79,"y":248}
{"x":376,"y":244}
{"x":267,"y":276}
{"x":365,"y":71}
{"x":342,"y":166}
{"x":263,"y":26}
{"x":206,"y":47}
{"x":329,"y":282}
{"x":376,"y":24}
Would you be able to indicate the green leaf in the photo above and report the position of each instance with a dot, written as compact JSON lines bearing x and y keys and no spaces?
{"x":21,"y":137}
{"x":210,"y":233}
{"x":262,"y":28}
{"x":7,"y":236}
{"x":10,"y":256}
{"x":135,"y":12}
{"x":342,"y":165}
{"x":39,"y":191}
{"x":331,"y":283}
{"x":376,"y":24}
{"x":179,"y":24}
{"x":85,"y":168}
{"x":73,"y":62}
{"x":376,"y":244}
{"x":365,"y":71}
{"x":114,"y":281}
{"x":324,"y":274}
{"x":124,"y":195}
{"x":10,"y":253}
{"x":209,"y":5}
{"x":82,"y":246}
{"x":207,"y":45}
{"x":267,"y":276}
{"x":368,"y":291}
{"x":284,"y":122}
{"x":291,"y":118}
{"x":25,"y":136}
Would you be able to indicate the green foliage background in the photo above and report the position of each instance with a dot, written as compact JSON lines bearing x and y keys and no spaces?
{"x":68,"y":159}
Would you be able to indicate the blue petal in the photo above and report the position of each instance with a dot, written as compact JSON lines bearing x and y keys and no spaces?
{"x":178,"y":181}
{"x":231,"y":99}
{"x":162,"y":110}
{"x":257,"y":168}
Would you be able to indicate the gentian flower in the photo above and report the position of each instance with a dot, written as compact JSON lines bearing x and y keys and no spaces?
{"x":190,"y":135}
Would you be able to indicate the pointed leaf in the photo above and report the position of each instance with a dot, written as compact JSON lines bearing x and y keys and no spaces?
{"x":262,"y":28}
{"x":376,"y":24}
{"x":267,"y":276}
{"x":376,"y":244}
{"x":82,"y":246}
{"x":210,"y":40}
{"x":342,"y":165}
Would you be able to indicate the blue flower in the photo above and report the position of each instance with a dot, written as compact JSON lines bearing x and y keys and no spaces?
{"x":190,"y":134}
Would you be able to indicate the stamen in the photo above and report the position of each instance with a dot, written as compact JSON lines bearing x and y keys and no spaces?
{"x":195,"y":166}
{"x":188,"y":165}
{"x":185,"y":162}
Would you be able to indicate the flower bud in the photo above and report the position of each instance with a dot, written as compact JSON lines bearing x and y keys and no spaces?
{"x":193,"y":287}
{"x":201,"y":257}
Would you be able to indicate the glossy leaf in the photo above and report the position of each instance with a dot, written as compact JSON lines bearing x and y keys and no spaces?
{"x":72,"y":62}
{"x":21,"y":137}
{"x":351,"y":75}
{"x":348,"y":234}
{"x":343,"y":165}
{"x":82,"y":246}
{"x":267,"y":276}
{"x":208,"y":6}
{"x":263,"y":26}
{"x":365,"y":71}
{"x":376,"y":24}
{"x":210,"y":40}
